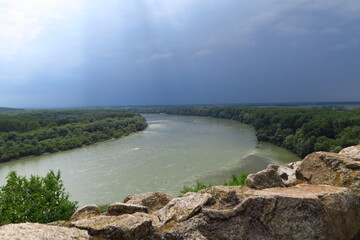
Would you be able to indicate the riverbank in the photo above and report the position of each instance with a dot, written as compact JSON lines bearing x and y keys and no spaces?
{"x":172,"y":152}
{"x":30,"y":133}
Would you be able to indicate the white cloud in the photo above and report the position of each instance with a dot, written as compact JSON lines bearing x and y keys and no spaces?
{"x":23,"y":20}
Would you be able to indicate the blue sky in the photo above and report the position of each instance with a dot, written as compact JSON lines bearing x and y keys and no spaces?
{"x":67,"y":53}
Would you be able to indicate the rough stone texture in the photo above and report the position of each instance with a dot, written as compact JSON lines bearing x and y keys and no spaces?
{"x":87,"y":211}
{"x":182,"y":208}
{"x":36,"y":231}
{"x":223,"y":197}
{"x":152,"y":200}
{"x":124,"y":227}
{"x":118,"y":208}
{"x":287,"y":172}
{"x":265,"y":179}
{"x":330,"y":168}
{"x":300,"y":212}
{"x":352,"y":152}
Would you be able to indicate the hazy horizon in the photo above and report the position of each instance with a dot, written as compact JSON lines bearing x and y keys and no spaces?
{"x":61,"y":54}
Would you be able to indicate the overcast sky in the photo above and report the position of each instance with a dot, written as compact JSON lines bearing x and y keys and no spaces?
{"x":66,"y":53}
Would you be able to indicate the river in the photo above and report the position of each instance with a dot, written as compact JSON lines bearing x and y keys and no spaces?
{"x":172,"y":152}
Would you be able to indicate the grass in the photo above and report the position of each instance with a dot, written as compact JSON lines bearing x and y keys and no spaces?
{"x":194,"y":188}
{"x":103,"y":207}
{"x":235,"y":180}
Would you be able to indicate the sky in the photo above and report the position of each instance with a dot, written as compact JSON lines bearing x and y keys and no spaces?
{"x":73,"y":53}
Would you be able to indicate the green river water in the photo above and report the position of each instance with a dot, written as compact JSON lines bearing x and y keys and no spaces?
{"x":172,"y":152}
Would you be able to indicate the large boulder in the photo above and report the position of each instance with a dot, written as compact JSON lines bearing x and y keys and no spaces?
{"x":36,"y":231}
{"x":87,"y":211}
{"x":265,"y":179}
{"x":300,"y":212}
{"x":118,"y":208}
{"x":182,"y":208}
{"x":152,"y":200}
{"x":124,"y":227}
{"x":330,"y":168}
{"x":352,"y":152}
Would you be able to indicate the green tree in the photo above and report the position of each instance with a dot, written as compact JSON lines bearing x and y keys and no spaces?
{"x":37,"y":199}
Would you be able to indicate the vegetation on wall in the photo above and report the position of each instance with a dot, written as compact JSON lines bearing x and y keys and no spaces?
{"x":301,"y":130}
{"x":29,"y":133}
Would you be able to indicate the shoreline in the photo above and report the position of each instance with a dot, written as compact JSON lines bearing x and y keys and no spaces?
{"x":83,"y":146}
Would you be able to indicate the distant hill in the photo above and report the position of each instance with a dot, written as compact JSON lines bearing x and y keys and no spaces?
{"x":5,"y":109}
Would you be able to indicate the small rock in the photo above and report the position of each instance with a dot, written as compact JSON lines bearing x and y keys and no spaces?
{"x":152,"y":200}
{"x":267,"y":178}
{"x":287,"y":172}
{"x":124,"y":227}
{"x":36,"y":231}
{"x":87,"y":211}
{"x":223,"y":197}
{"x":117,"y":208}
{"x":352,"y":152}
{"x":182,"y":208}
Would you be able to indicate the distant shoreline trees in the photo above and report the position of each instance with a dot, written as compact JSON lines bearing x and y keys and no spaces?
{"x":30,"y":133}
{"x":301,"y":130}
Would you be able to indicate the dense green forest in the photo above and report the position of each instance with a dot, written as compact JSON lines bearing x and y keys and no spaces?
{"x":301,"y":130}
{"x":28,"y":133}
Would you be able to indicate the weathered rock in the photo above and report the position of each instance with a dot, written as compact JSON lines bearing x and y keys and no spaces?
{"x":152,"y":200}
{"x":352,"y":152}
{"x":182,"y":208}
{"x":118,"y":208}
{"x":330,"y":168}
{"x":218,"y":214}
{"x":300,"y":212}
{"x":223,"y":197}
{"x":36,"y":231}
{"x":125,"y":227}
{"x":264,"y":179}
{"x":287,"y":172}
{"x":87,"y":211}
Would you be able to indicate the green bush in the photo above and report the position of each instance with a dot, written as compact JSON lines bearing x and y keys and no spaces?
{"x":237,"y":180}
{"x":103,"y":207}
{"x":37,"y":199}
{"x":194,"y":188}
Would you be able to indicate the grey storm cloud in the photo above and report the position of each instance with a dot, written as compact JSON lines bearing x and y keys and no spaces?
{"x":140,"y":52}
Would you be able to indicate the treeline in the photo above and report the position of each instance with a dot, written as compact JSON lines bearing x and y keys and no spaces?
{"x":301,"y":130}
{"x":36,"y":132}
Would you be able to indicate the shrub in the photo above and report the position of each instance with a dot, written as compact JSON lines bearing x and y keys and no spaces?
{"x":237,"y":180}
{"x":194,"y":188}
{"x":37,"y":199}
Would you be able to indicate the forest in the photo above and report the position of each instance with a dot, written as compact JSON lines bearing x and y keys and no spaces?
{"x":301,"y":130}
{"x":27,"y":133}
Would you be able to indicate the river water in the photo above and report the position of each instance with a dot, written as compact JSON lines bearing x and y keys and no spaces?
{"x":172,"y":152}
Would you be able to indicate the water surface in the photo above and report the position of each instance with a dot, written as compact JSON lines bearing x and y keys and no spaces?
{"x":172,"y":152}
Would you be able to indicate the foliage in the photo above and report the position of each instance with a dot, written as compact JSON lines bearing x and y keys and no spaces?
{"x":237,"y":180}
{"x":35,"y":132}
{"x":103,"y":207}
{"x":37,"y":199}
{"x":195,"y":188}
{"x":301,"y":130}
